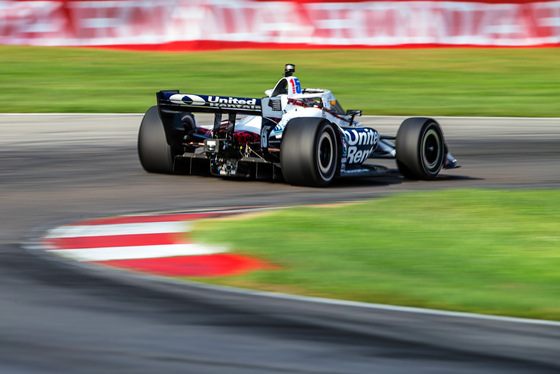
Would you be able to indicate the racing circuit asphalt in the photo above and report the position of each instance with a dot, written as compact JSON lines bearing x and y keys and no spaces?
{"x":59,"y":318}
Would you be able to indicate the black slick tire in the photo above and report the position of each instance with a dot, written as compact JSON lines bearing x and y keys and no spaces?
{"x":153,"y":151}
{"x":309,"y":153}
{"x":420,"y":148}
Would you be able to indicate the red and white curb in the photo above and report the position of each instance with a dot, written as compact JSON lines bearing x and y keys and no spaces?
{"x":160,"y":245}
{"x":157,"y":244}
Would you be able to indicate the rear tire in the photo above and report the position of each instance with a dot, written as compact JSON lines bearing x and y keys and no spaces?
{"x":420,"y":148}
{"x":153,"y":151}
{"x":309,"y":152}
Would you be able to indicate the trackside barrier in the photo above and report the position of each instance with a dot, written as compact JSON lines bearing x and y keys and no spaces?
{"x":215,"y":24}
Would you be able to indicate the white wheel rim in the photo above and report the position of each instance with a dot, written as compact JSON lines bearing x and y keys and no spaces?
{"x":325,"y":155}
{"x":431,"y":147}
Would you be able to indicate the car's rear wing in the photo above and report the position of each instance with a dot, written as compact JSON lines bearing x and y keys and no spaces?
{"x":173,"y":105}
{"x":176,"y":101}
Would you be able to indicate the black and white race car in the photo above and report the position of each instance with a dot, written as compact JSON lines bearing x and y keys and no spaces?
{"x":300,"y":134}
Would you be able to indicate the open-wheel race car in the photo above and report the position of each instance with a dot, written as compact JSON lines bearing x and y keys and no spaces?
{"x":300,"y":134}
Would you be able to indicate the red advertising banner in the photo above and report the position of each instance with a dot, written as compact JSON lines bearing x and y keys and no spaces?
{"x":214,"y":24}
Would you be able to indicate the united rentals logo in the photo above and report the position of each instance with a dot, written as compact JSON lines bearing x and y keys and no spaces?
{"x":224,"y":102}
{"x":361,"y":143}
{"x":234,"y":102}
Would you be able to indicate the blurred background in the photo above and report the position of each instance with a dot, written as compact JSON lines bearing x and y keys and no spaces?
{"x":442,"y":57}
{"x":212,"y":24}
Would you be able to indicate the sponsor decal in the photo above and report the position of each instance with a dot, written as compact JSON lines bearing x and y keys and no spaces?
{"x":361,"y":143}
{"x":355,"y":171}
{"x":233,"y":102}
{"x":216,"y":101}
{"x":187,"y":99}
{"x":193,"y":100}
{"x":279,"y":128}
{"x":365,"y":136}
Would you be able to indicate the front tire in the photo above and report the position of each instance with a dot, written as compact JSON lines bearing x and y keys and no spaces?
{"x":153,"y":151}
{"x":309,"y":153}
{"x":420,"y":148}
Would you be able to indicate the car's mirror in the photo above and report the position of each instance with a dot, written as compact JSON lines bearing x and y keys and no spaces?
{"x":354,"y":113}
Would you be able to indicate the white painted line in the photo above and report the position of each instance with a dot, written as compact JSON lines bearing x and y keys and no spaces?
{"x":136,"y":252}
{"x":75,"y":231}
{"x":373,"y":306}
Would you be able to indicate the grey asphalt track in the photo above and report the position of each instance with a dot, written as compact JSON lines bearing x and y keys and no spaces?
{"x":58,"y":318}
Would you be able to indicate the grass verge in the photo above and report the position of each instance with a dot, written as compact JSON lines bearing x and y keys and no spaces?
{"x":483,"y":251}
{"x":443,"y":81}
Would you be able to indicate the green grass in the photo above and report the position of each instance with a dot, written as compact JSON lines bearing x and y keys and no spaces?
{"x":455,"y":81}
{"x":493,"y":252}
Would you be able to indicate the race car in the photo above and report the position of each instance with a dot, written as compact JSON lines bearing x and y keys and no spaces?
{"x":299,"y":134}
